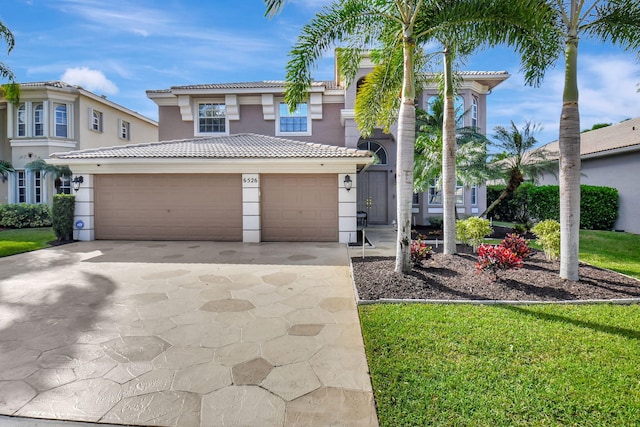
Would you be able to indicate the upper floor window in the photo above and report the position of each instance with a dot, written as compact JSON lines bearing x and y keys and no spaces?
{"x":474,"y":195}
{"x":296,"y":122}
{"x":96,"y":120}
{"x":61,"y":121}
{"x":38,"y":120}
{"x":212,"y":118}
{"x":377,"y":149}
{"x":125,"y":130}
{"x":22,"y":120}
{"x":474,"y":112}
{"x":458,"y":106}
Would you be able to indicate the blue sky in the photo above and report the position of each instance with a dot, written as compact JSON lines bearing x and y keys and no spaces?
{"x":120,"y":48}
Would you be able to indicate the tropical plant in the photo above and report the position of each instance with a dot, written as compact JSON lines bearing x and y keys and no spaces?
{"x":615,"y":21}
{"x":398,"y":27}
{"x":492,"y":259}
{"x":523,"y":162}
{"x":5,"y":169}
{"x":56,"y":171}
{"x":548,"y":234}
{"x":516,"y":244}
{"x":471,"y":151}
{"x":11,"y":90}
{"x":472,"y":231}
{"x":420,"y":251}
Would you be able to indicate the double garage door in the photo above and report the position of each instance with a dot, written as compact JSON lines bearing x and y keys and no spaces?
{"x":209,"y":207}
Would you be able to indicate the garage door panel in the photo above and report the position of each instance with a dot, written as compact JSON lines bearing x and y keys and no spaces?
{"x":299,"y":207}
{"x":169,"y":207}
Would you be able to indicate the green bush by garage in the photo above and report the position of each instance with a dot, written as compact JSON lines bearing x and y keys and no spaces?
{"x":25,"y":215}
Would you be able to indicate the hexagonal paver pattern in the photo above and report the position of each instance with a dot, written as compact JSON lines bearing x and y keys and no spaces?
{"x":251,"y":372}
{"x":292,"y":381}
{"x":135,"y":349}
{"x":332,"y":407}
{"x":202,"y":379}
{"x":242,"y":406}
{"x":226,"y":305}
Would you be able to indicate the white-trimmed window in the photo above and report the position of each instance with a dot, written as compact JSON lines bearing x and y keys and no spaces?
{"x":38,"y":120}
{"x":212,"y":118}
{"x":293,"y":123}
{"x":458,"y":105}
{"x":61,"y":118}
{"x":96,"y":120}
{"x":474,"y":195}
{"x":65,"y":185}
{"x":125,"y":130}
{"x":37,"y":187}
{"x":474,"y":112}
{"x":22,"y":120}
{"x":377,"y":149}
{"x":21,"y":186}
{"x":435,"y":193}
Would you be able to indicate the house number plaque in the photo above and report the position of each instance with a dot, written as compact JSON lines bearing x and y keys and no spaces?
{"x":250,"y":180}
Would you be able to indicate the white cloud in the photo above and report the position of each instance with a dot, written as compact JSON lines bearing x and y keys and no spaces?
{"x":92,"y":80}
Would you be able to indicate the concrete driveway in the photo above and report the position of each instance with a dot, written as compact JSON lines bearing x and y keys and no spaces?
{"x":183,"y":334}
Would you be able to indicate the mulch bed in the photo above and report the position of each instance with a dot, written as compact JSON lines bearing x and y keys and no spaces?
{"x":454,"y":277}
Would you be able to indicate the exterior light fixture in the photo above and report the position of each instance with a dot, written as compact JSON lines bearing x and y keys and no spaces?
{"x":77,"y":181}
{"x":347,"y":182}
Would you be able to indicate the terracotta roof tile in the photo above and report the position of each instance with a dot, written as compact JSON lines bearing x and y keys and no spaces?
{"x":244,"y":145}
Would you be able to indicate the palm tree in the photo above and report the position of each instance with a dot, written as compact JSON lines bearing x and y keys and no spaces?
{"x":45,"y":168}
{"x":471,"y":151}
{"x":615,"y":21}
{"x":5,"y":169}
{"x":522,"y":160}
{"x":460,"y":27}
{"x":11,"y":90}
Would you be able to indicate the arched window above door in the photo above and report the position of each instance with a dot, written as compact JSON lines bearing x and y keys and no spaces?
{"x":377,"y":149}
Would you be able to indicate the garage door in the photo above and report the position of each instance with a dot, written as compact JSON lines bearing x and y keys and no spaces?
{"x":298,"y":208}
{"x":168,"y":207}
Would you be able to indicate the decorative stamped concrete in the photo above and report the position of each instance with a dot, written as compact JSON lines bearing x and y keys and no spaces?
{"x":182,"y":334}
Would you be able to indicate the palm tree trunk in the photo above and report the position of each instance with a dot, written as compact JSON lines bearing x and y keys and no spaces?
{"x":495,"y":203}
{"x":569,"y":144}
{"x":449,"y":159}
{"x":404,"y":166}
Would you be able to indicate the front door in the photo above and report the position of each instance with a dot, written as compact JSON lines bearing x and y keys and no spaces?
{"x":372,"y":196}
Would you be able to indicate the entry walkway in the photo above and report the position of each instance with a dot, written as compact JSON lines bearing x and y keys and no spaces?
{"x":182,"y":334}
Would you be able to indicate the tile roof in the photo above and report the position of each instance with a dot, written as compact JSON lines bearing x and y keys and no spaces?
{"x":265,"y":84}
{"x":601,"y":141}
{"x":53,"y":83}
{"x":245,"y":146}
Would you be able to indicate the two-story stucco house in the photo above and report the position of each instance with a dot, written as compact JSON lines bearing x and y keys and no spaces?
{"x":234,"y":164}
{"x":53,"y":117}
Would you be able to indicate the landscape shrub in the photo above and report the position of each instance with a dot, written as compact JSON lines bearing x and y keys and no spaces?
{"x":62,"y":215}
{"x":598,"y":205}
{"x":516,"y":244}
{"x":492,"y":259}
{"x":473,"y":230}
{"x":420,"y":251}
{"x":548,"y":234}
{"x":23,"y":215}
{"x":514,"y":208}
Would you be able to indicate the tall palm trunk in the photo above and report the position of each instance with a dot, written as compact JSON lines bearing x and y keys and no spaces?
{"x":404,"y":166}
{"x":569,"y":144}
{"x":449,"y":159}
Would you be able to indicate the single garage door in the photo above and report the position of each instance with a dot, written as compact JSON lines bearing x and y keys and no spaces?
{"x":168,"y":207}
{"x":299,"y":208}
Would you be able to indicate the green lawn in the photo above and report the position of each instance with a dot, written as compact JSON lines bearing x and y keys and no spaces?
{"x":607,"y":249}
{"x":468,"y":365}
{"x":25,"y":240}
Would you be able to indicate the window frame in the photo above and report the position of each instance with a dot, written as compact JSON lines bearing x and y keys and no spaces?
{"x":281,"y":104}
{"x":56,"y":117}
{"x":38,"y":119}
{"x":65,"y":185}
{"x":21,"y":184}
{"x":21,"y":120}
{"x":435,"y":191}
{"x":197,"y":122}
{"x":96,"y":120}
{"x":473,"y":195}
{"x":380,"y":149}
{"x":124,"y":130}
{"x":474,"y":111}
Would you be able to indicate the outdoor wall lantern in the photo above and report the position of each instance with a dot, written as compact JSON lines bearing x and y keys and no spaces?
{"x":77,"y":181}
{"x":347,"y":182}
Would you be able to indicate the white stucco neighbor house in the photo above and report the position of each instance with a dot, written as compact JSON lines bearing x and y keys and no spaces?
{"x":610,"y":157}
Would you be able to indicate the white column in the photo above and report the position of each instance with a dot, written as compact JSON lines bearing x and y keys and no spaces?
{"x":347,"y":218}
{"x":250,"y":207}
{"x":83,"y":221}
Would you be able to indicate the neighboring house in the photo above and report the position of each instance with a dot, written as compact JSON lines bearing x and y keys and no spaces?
{"x":53,"y":117}
{"x":610,"y":157}
{"x":233,"y":151}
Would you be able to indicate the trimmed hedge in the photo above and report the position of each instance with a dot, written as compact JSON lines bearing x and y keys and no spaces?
{"x":598,"y":205}
{"x":24,"y":215}
{"x":62,"y":215}
{"x":512,"y":209}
